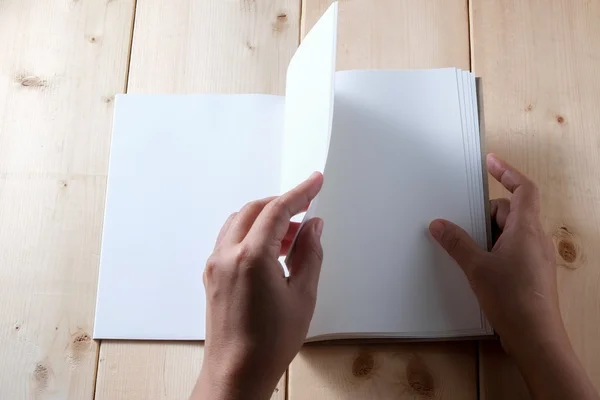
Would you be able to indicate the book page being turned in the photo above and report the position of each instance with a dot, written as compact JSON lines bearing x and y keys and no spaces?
{"x":396,"y":162}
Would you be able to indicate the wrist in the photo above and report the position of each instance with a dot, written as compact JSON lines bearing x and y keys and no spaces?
{"x":210,"y":387}
{"x":536,"y":347}
{"x":224,"y":381}
{"x":551,"y":369}
{"x":533,"y":332}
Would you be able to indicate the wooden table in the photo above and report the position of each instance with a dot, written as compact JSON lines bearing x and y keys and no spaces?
{"x":61,"y":63}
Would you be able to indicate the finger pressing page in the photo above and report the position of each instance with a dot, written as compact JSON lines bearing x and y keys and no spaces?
{"x":305,"y":261}
{"x":457,"y":243}
{"x":288,"y":239}
{"x":245,"y":218}
{"x":286,"y":245}
{"x":292,"y":231}
{"x":273,"y":222}
{"x":499,"y":210}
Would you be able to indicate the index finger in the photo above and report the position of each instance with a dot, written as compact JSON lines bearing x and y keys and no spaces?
{"x":273,"y":222}
{"x":525,"y":192}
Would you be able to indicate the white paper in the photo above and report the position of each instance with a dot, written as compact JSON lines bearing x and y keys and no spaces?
{"x":309,"y":102}
{"x":398,"y":154}
{"x":396,"y":162}
{"x":179,"y":165}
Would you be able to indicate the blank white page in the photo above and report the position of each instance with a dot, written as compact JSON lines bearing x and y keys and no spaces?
{"x":179,"y":165}
{"x":396,"y":162}
{"x":309,"y":102}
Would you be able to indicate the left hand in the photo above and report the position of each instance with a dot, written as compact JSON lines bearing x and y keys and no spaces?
{"x":256,"y":319}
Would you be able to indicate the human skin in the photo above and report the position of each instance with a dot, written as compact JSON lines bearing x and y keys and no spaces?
{"x":257,"y":319}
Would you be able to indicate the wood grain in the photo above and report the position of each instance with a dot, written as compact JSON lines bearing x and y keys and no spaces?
{"x":61,"y":62}
{"x":539,"y":63}
{"x":151,"y":370}
{"x":397,"y":34}
{"x":388,"y":34}
{"x":190,"y":46}
{"x":403,"y":371}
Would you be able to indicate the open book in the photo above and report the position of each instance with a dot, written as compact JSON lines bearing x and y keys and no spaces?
{"x":397,"y":148}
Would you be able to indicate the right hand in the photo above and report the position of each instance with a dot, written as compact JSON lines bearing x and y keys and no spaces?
{"x":256,"y":318}
{"x":515,"y":283}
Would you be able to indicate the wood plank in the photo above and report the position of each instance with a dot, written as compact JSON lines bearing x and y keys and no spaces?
{"x":61,"y":62}
{"x":391,"y":34}
{"x":539,"y":61}
{"x":190,"y":46}
{"x":396,"y":34}
{"x":150,"y":370}
{"x":390,"y":371}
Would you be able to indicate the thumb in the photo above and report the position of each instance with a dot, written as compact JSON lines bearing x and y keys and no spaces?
{"x":307,"y":255}
{"x":457,"y":243}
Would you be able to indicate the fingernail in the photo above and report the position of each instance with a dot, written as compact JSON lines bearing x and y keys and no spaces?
{"x":319,"y":227}
{"x":436,"y":228}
